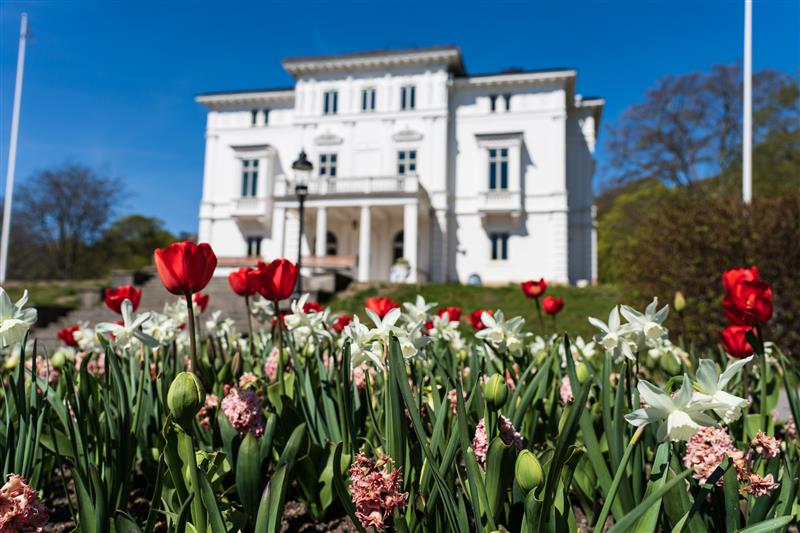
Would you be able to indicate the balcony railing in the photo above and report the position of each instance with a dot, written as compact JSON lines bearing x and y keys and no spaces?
{"x":350,"y":186}
{"x":500,"y":201}
{"x":250,"y":206}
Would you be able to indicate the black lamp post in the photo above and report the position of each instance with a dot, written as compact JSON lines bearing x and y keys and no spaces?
{"x":302,"y":169}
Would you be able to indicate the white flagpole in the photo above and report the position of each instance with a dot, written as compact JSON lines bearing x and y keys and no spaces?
{"x":747,"y":134}
{"x":12,"y":149}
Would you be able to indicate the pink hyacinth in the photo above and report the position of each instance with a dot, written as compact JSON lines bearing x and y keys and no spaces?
{"x":243,"y":410}
{"x":509,"y":433}
{"x":20,"y":508}
{"x":566,"y":391}
{"x":707,"y":448}
{"x":248,"y":378}
{"x":453,"y":397}
{"x":95,"y":365}
{"x":766,"y":446}
{"x":761,"y":486}
{"x":480,"y":444}
{"x":204,"y":414}
{"x":271,"y":366}
{"x":791,"y":430}
{"x":375,"y":487}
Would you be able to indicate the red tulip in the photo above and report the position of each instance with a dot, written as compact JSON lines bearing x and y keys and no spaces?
{"x":115,"y":297}
{"x":475,"y":318}
{"x":533,"y":289}
{"x":749,"y":303}
{"x":201,"y":300}
{"x":312,"y":306}
{"x":735,"y":342}
{"x":380,"y":306}
{"x":244,"y":281}
{"x":552,"y":306}
{"x":185,"y":267}
{"x":453,"y":313}
{"x":277,"y":280}
{"x":67,"y":335}
{"x":732,"y":278}
{"x":341,"y":322}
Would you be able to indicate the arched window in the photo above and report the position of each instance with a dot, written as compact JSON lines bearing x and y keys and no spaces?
{"x":331,"y":244}
{"x":397,"y":247}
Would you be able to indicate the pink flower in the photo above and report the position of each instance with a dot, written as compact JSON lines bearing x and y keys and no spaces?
{"x":375,"y":488}
{"x":707,"y":448}
{"x":271,"y":366}
{"x":248,"y":378}
{"x":791,"y":430}
{"x":20,"y":508}
{"x":243,"y":410}
{"x":453,"y":396}
{"x":95,"y":365}
{"x":566,"y":391}
{"x":509,"y":433}
{"x":761,"y":486}
{"x":766,"y":446}
{"x":204,"y":414}
{"x":480,"y":444}
{"x":359,"y":375}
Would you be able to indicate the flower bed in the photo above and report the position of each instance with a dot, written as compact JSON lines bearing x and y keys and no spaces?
{"x":400,"y":420}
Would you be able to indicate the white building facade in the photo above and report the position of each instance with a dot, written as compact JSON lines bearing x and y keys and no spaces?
{"x":415,"y":163}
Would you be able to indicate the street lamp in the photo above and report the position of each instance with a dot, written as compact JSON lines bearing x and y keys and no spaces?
{"x":302,"y":170}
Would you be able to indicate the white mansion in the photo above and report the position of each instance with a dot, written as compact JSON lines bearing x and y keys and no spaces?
{"x":414,"y":160}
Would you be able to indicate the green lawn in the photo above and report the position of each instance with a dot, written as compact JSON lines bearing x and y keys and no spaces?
{"x":578,"y":303}
{"x":52,"y":293}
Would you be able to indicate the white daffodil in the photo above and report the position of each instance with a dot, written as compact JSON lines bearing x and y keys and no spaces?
{"x":647,"y":327}
{"x":130,"y":328}
{"x":262,"y":309}
{"x":85,"y":337}
{"x":218,"y":326}
{"x":306,"y":327}
{"x":712,"y":388}
{"x":163,"y":328}
{"x":577,"y":347}
{"x":613,"y":336}
{"x":362,"y":347}
{"x":502,"y":334}
{"x":418,"y":311}
{"x":679,"y":417}
{"x":444,"y":329}
{"x":15,"y":319}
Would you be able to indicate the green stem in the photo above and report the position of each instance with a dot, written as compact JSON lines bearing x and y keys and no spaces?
{"x":764,"y":368}
{"x":612,"y":491}
{"x":192,"y":340}
{"x":249,"y":326}
{"x":198,"y":510}
{"x":279,"y":324}
{"x":539,"y":314}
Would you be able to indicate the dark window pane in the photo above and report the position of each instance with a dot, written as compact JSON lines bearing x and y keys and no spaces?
{"x":363,"y":100}
{"x":413,"y":96}
{"x":403,"y":98}
{"x":504,"y":152}
{"x":492,"y":176}
{"x":504,"y":175}
{"x":492,"y":152}
{"x":333,"y":158}
{"x":335,"y":101}
{"x":254,"y":115}
{"x":254,"y":187}
{"x":504,"y":241}
{"x":493,"y":102}
{"x":255,"y":163}
{"x":266,"y":117}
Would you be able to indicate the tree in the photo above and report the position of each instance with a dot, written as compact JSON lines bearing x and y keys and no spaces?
{"x":689,"y":126}
{"x":64,"y":211}
{"x":129,"y":242}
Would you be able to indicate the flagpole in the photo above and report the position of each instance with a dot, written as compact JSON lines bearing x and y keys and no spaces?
{"x":747,"y":134}
{"x":12,"y":149}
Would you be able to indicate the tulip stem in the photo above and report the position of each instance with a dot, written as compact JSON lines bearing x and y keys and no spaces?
{"x":279,"y":324}
{"x":539,"y":314}
{"x":249,"y":326}
{"x":192,"y":340}
{"x":763,"y":357}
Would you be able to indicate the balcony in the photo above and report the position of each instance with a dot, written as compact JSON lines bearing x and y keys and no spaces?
{"x":500,"y":202}
{"x":344,"y":186}
{"x":250,"y":207}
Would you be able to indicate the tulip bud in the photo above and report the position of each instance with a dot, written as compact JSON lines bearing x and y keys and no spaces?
{"x":185,"y":397}
{"x":528,"y":471}
{"x":495,"y":391}
{"x":58,"y":360}
{"x":680,"y":302}
{"x":236,"y":365}
{"x":582,"y":371}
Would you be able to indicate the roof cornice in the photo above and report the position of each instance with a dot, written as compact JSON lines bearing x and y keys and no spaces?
{"x":219,"y":100}
{"x":516,"y":78}
{"x":450,"y":56}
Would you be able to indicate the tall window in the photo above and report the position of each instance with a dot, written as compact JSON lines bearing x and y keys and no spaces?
{"x":253,"y":117}
{"x":327,"y":165}
{"x":253,"y":246}
{"x":408,"y":96}
{"x":266,"y":117}
{"x":493,"y":102}
{"x":508,"y":101}
{"x":397,"y":246}
{"x":330,"y":102}
{"x":368,"y":99}
{"x":249,"y":177}
{"x":499,"y":243}
{"x":331,"y":244}
{"x":498,"y":169}
{"x":406,"y":162}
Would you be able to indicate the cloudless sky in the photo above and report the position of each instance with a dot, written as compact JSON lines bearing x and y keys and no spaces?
{"x":111,"y":84}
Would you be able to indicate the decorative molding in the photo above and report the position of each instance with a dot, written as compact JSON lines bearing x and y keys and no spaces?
{"x":252,"y":98}
{"x":512,"y":79}
{"x":451,"y":57}
{"x":328,"y":139}
{"x":407,"y":135}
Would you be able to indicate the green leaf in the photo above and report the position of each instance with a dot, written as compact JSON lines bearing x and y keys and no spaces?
{"x":248,"y":474}
{"x":270,"y":510}
{"x":730,"y":491}
{"x":124,"y":523}
{"x":499,"y":474}
{"x":630,"y":519}
{"x":341,"y":489}
{"x":658,"y":476}
{"x":767,"y":526}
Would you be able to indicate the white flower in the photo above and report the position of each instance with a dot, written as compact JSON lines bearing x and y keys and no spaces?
{"x":85,"y":337}
{"x":679,"y":417}
{"x":646,"y":326}
{"x":219,"y":327}
{"x":15,"y":320}
{"x":503,"y":335}
{"x":131,"y":328}
{"x":613,"y":338}
{"x":418,"y":311}
{"x":262,"y":309}
{"x":306,"y":327}
{"x":712,"y":388}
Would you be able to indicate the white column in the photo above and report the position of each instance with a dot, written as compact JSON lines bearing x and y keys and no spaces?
{"x":322,"y":231}
{"x":364,"y":237}
{"x":410,"y":223}
{"x":276,"y":248}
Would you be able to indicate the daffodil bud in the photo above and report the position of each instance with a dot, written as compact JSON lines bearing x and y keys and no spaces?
{"x":495,"y":391}
{"x":528,"y":471}
{"x":236,"y":365}
{"x":680,"y":302}
{"x":185,"y":397}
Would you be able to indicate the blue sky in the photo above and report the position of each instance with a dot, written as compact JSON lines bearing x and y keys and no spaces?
{"x":112,"y":84}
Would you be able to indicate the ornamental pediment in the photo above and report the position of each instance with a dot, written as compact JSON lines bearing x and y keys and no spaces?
{"x":407,"y":135}
{"x":327,"y":139}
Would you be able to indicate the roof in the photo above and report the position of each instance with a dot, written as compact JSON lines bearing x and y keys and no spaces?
{"x":513,"y":71}
{"x":243,"y":91}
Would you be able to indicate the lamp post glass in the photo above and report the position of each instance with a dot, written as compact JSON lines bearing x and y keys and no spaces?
{"x":302,"y":170}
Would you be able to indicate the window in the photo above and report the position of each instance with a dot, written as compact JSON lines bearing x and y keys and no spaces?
{"x":499,"y":246}
{"x":493,"y":102}
{"x":253,"y":117}
{"x":406,"y":162}
{"x":249,"y":177}
{"x":498,"y":169}
{"x":397,"y":246}
{"x":330,"y":102}
{"x":253,"y":246}
{"x":368,"y":99}
{"x":508,"y":101}
{"x":408,"y":97}
{"x":331,"y":244}
{"x":327,"y":165}
{"x":266,"y":117}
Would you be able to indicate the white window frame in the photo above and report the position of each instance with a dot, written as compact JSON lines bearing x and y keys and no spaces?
{"x":250,"y":168}
{"x":328,"y":162}
{"x":498,"y":162}
{"x":407,"y":162}
{"x":498,"y":245}
{"x":330,"y":102}
{"x":408,"y":98}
